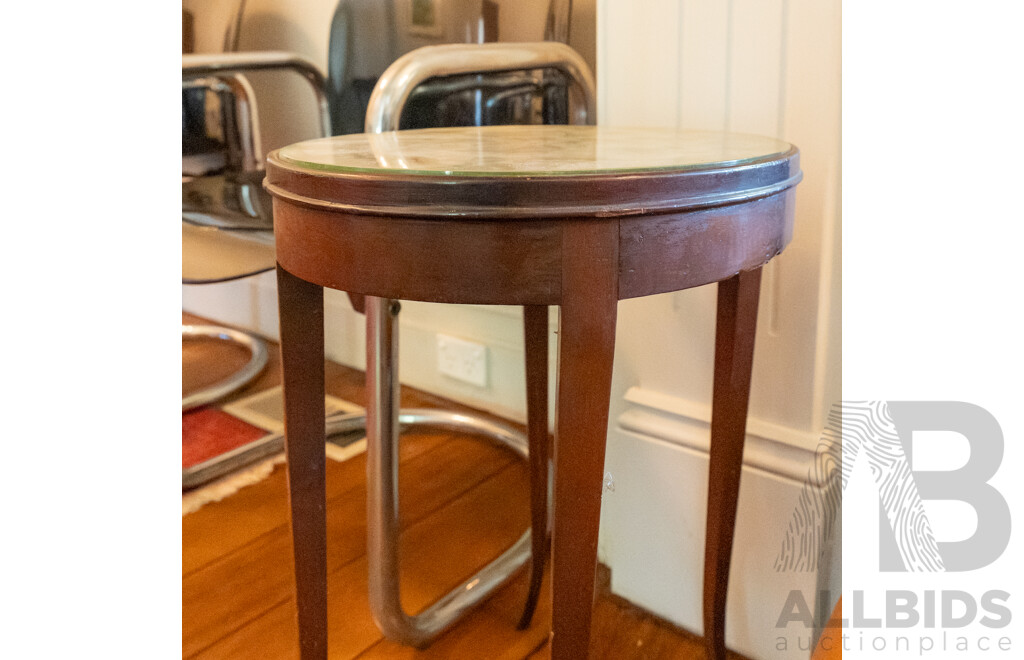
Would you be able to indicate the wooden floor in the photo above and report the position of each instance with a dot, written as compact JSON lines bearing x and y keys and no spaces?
{"x":463,"y":502}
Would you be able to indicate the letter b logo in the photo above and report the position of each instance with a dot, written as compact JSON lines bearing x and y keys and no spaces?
{"x":967,"y":484}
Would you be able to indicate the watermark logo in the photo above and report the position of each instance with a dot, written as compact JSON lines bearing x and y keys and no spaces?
{"x":878,"y":436}
{"x":882,"y":432}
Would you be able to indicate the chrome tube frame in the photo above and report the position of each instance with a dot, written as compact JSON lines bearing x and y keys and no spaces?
{"x":383,"y":529}
{"x":225,"y":69}
{"x":412,"y":69}
{"x":343,"y":424}
{"x":219,"y":64}
{"x":384,"y":114}
{"x":236,"y":381}
{"x":268,"y":445}
{"x":241,"y":132}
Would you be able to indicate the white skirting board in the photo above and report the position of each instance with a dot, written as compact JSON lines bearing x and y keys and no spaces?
{"x":652,"y":526}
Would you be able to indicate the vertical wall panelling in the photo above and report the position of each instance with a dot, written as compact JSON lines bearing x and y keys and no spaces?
{"x":755,"y":46}
{"x":812,"y":120}
{"x":756,"y":80}
{"x":643,"y":71}
{"x":704,"y":71}
{"x":770,"y":67}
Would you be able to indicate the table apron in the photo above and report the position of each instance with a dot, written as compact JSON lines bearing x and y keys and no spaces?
{"x":661,"y":253}
{"x":519,"y":262}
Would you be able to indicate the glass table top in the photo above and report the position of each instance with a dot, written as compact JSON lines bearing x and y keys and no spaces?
{"x":520,"y":151}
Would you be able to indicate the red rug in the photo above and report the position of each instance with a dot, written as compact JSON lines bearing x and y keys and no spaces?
{"x":209,"y":432}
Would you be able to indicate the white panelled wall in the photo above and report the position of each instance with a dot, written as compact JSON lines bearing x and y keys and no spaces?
{"x":759,"y":66}
{"x":770,"y":67}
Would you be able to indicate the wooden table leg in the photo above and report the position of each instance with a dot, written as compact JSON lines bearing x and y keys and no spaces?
{"x":586,"y":348}
{"x":535,"y":325}
{"x":301,"y":311}
{"x":734,"y":354}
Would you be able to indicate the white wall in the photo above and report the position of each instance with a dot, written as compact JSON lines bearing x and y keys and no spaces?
{"x":756,"y":66}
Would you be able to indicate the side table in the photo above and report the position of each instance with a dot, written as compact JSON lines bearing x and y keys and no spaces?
{"x":575,"y":216}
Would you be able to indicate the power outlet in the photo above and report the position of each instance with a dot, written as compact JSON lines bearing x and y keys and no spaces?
{"x":462,"y":360}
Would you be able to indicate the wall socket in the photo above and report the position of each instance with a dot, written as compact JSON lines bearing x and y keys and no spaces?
{"x":462,"y":360}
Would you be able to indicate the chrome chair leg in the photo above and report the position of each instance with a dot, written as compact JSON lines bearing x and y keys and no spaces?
{"x":382,"y":431}
{"x":236,"y":381}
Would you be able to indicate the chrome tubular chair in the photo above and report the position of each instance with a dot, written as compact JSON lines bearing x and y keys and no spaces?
{"x":507,"y":69}
{"x":216,"y":184}
{"x":227,"y":223}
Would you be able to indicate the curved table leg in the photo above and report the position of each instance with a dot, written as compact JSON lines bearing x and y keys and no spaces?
{"x":734,"y":352}
{"x":586,"y":348}
{"x":535,"y":325}
{"x":302,"y":364}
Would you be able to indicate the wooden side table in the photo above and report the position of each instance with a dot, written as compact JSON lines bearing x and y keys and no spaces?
{"x":575,"y":216}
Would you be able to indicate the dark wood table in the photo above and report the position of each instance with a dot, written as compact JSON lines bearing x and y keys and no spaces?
{"x":575,"y":216}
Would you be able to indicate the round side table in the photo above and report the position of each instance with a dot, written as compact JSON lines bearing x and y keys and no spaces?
{"x":575,"y":216}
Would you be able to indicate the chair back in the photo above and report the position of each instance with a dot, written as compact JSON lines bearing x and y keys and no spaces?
{"x":369,"y":37}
